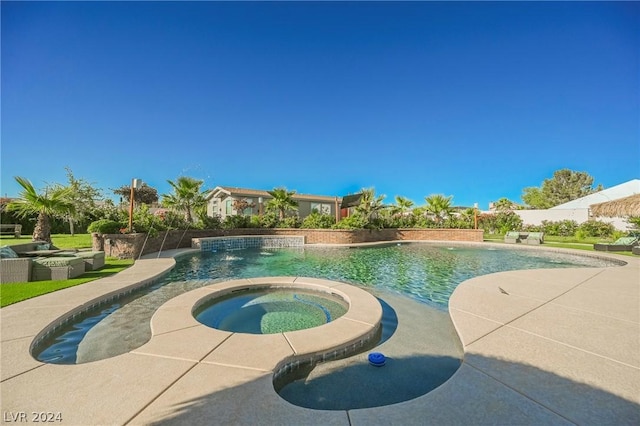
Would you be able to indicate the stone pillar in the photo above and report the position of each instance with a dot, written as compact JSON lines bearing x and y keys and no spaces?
{"x":97,"y":242}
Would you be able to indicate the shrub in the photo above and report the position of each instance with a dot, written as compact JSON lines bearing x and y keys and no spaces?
{"x":533,"y":228}
{"x":487,"y":221}
{"x":318,"y":221}
{"x":425,"y":222}
{"x":147,"y":222}
{"x":458,"y":222}
{"x":207,"y":222}
{"x":401,"y":221}
{"x":506,"y":221}
{"x":173,"y":220}
{"x":597,"y":228}
{"x":290,"y":222}
{"x":105,"y":226}
{"x":255,"y":222}
{"x":269,"y":220}
{"x":634,"y":221}
{"x":231,"y":222}
{"x":355,"y":221}
{"x":563,"y":228}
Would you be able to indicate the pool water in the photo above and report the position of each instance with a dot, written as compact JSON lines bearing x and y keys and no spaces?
{"x":427,"y":273}
{"x":270,"y":311}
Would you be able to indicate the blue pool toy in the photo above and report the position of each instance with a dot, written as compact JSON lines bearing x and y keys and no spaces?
{"x":377,"y":359}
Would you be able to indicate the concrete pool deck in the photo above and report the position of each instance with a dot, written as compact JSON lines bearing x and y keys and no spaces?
{"x":558,"y":346}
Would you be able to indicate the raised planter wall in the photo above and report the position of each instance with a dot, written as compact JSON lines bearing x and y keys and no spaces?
{"x":135,"y":245}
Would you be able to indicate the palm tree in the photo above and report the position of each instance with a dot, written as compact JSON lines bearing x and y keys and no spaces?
{"x":370,"y":206}
{"x":399,"y":211}
{"x":187,"y":196}
{"x":53,"y":202}
{"x":504,"y":204}
{"x":402,"y":205}
{"x":282,"y":201}
{"x":439,"y":206}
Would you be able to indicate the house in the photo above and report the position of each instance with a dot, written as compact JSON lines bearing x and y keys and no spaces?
{"x":220,"y":202}
{"x":580,"y":208}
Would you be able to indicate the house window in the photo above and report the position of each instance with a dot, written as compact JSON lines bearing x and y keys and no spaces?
{"x":249,"y":210}
{"x":321,"y":208}
{"x":229,"y":207}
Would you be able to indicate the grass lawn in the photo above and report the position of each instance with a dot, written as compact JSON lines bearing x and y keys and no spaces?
{"x":564,"y":242}
{"x":16,"y":292}
{"x":63,"y":241}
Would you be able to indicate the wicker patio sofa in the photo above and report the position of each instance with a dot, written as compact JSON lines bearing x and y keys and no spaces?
{"x":534,"y":238}
{"x":22,"y":248}
{"x":15,"y":270}
{"x":621,"y":244}
{"x":12,"y":267}
{"x":512,"y":237}
{"x":57,"y":268}
{"x":92,"y":259}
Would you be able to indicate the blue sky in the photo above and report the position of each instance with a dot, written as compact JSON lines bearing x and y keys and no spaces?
{"x":476,"y":100}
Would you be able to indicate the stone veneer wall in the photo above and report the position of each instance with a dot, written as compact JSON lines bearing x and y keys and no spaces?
{"x":131,"y":245}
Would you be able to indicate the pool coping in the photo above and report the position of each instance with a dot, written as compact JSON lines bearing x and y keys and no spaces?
{"x":519,"y":367}
{"x":288,"y":350}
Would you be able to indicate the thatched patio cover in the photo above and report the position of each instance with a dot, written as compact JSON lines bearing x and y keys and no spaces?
{"x":627,"y":206}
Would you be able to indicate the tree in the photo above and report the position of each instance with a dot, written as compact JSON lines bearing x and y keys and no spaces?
{"x":439,"y":206}
{"x":187,"y":196}
{"x":370,"y":207}
{"x":144,"y":195}
{"x":402,"y":205}
{"x":535,"y":199}
{"x":282,"y":201}
{"x":504,"y":204}
{"x":400,"y":214}
{"x":240,"y":205}
{"x":82,"y":195}
{"x":565,"y":185}
{"x":54,"y":201}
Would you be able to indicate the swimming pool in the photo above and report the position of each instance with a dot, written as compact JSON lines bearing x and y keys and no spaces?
{"x":425,"y":272}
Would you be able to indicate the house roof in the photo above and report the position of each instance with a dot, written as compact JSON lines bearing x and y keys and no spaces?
{"x":614,"y":193}
{"x":232,"y":191}
{"x":627,"y":206}
{"x":350,"y":201}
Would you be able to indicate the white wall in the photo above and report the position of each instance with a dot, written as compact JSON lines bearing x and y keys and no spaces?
{"x":618,"y":222}
{"x":535,"y":217}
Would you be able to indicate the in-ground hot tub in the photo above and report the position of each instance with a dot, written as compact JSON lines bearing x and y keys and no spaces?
{"x":270,"y":310}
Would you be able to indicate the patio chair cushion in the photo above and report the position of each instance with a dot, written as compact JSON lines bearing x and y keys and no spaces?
{"x":92,"y":259}
{"x":58,"y":261}
{"x":57,"y":268}
{"x":7,"y":252}
{"x":625,"y":241}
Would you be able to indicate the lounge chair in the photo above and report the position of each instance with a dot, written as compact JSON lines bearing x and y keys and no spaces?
{"x":621,"y":244}
{"x":534,"y":238}
{"x":512,"y":237}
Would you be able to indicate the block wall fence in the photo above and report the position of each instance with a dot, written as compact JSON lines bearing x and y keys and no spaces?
{"x":132,"y":246}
